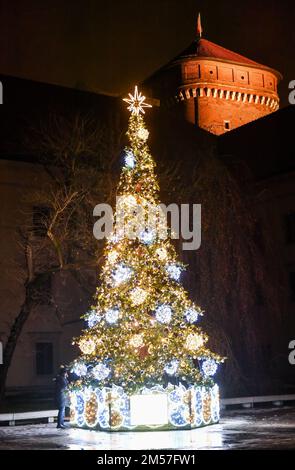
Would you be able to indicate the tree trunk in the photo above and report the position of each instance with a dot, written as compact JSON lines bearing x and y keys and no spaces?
{"x":13,"y":337}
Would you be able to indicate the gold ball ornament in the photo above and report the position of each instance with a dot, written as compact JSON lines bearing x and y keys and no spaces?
{"x":87,"y":346}
{"x":161,"y":253}
{"x":193,"y":342}
{"x":143,"y":134}
{"x":136,"y":341}
{"x":138,"y":296}
{"x":116,"y":418}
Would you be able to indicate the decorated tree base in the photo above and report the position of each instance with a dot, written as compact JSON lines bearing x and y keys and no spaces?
{"x":155,"y":408}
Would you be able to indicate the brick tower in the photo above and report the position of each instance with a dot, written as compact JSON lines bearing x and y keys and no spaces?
{"x":215,"y":88}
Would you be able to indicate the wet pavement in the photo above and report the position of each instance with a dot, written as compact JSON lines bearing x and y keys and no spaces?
{"x":272,"y":428}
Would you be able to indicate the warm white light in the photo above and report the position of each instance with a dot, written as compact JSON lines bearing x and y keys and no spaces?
{"x":138,"y":295}
{"x":136,"y":341}
{"x":136,"y":102}
{"x":148,"y":410}
{"x":113,"y":256}
{"x":161,"y":253}
{"x":87,"y":346}
{"x":193,"y":342}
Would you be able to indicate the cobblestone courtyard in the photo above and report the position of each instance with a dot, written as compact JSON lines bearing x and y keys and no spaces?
{"x":240,"y":429}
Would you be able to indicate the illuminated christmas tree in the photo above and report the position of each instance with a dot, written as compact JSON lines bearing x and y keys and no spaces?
{"x":144,"y":360}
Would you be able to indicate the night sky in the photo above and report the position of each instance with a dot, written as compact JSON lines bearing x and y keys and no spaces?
{"x":107,"y":46}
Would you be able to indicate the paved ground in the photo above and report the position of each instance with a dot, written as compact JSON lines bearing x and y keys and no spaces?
{"x":240,"y":429}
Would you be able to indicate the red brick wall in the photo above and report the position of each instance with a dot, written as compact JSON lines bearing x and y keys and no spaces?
{"x":213,"y":112}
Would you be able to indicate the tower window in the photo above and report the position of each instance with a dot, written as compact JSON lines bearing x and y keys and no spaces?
{"x":242,"y":77}
{"x":226,"y":125}
{"x":211,"y":72}
{"x":44,"y":358}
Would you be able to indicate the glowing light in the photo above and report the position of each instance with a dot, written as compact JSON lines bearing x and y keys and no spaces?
{"x":209,"y":367}
{"x":87,"y":346}
{"x":121,"y":274}
{"x":101,"y":371}
{"x":174,"y":271}
{"x":193,"y":342}
{"x":191,"y":315}
{"x":138,"y":296}
{"x":93,"y":318}
{"x":171,"y":367}
{"x":143,"y":134}
{"x":130,"y":159}
{"x":79,"y":369}
{"x":136,"y":102}
{"x":129,"y":201}
{"x":112,"y":315}
{"x":149,"y":410}
{"x":136,"y":341}
{"x":164,"y":313}
{"x":147,"y":237}
{"x":112,"y":256}
{"x":174,"y":407}
{"x":161,"y":253}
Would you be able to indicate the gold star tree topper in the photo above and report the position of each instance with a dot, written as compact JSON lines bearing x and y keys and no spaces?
{"x":136,"y":102}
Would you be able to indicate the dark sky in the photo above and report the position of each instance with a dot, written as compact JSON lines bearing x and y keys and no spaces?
{"x":109,"y":45}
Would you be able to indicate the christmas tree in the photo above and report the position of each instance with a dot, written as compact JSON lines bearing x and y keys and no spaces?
{"x":143,"y":340}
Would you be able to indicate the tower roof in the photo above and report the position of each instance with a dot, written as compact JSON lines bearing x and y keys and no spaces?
{"x":201,"y":47}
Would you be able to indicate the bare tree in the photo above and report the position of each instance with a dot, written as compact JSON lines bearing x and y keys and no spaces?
{"x":77,"y":155}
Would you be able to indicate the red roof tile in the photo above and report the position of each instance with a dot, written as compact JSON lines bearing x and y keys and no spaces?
{"x":204,"y":48}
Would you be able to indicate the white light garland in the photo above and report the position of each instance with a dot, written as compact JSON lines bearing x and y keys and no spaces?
{"x":171,"y":367}
{"x":191,"y":315}
{"x":121,"y":274}
{"x":93,"y":318}
{"x":147,"y":237}
{"x":164,"y":313}
{"x":112,"y":315}
{"x":101,"y":371}
{"x":174,"y":271}
{"x":209,"y":367}
{"x":79,"y":369}
{"x":129,"y":159}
